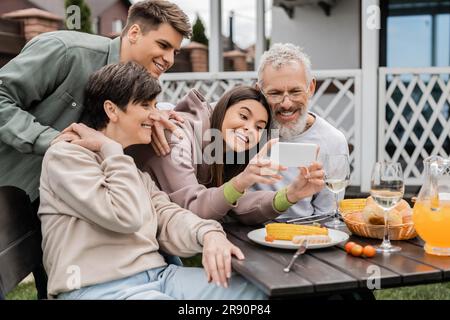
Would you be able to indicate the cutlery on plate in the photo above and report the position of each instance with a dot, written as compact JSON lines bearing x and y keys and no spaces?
{"x":301,"y":250}
{"x":309,"y":219}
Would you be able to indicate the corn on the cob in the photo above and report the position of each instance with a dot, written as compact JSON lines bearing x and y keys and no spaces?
{"x":285,"y":231}
{"x":352,"y":205}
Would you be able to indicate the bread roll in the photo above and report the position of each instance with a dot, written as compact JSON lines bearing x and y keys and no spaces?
{"x":314,"y":239}
{"x":355,"y":217}
{"x":373,"y":214}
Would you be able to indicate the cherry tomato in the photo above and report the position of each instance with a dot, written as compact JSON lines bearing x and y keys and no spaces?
{"x":356,"y":250}
{"x":348,"y":246}
{"x":369,"y":251}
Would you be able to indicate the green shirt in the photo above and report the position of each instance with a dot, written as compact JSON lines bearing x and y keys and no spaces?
{"x":280,"y":201}
{"x":41,"y":93}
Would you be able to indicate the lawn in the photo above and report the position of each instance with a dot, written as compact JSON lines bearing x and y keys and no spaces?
{"x":440,"y":291}
{"x":25,"y":291}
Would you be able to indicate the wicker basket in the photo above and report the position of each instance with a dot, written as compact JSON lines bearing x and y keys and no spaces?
{"x":397,"y":232}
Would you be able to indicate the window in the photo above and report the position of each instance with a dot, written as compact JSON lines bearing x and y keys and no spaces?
{"x":117,"y":26}
{"x":409,"y":41}
{"x":417,"y":34}
{"x":95,"y":25}
{"x":443,"y":40}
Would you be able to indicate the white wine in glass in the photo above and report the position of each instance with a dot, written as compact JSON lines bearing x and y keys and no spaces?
{"x":387,"y":189}
{"x":337,"y":177}
{"x":336,"y":185}
{"x":386,"y":199}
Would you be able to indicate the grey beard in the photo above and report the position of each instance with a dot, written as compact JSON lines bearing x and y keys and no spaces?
{"x":287,"y":132}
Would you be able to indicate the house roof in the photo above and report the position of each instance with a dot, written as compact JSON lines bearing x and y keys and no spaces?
{"x":195,"y":45}
{"x":233,"y":54}
{"x":32,"y":13}
{"x":226,"y":43}
{"x":57,"y":6}
{"x":53,"y":6}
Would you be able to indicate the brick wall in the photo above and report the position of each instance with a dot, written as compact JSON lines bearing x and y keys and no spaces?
{"x":235,"y":61}
{"x":194,"y":58}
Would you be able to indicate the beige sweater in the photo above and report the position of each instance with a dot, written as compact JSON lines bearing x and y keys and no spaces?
{"x":104,"y":219}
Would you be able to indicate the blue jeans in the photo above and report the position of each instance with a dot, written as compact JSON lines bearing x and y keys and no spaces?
{"x":166,"y":283}
{"x":170,"y":259}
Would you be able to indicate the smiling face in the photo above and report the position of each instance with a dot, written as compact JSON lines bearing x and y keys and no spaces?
{"x":288,"y":92}
{"x":243,"y":124}
{"x":154,"y":50}
{"x":134,"y":125}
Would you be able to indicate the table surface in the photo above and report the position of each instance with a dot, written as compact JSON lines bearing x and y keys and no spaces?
{"x":332,"y":270}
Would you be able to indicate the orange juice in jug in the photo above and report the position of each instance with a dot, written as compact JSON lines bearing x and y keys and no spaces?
{"x":431,"y":214}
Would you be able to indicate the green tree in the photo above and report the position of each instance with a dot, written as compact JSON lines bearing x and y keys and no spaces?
{"x":268,"y":42}
{"x":198,"y":32}
{"x":85,"y":24}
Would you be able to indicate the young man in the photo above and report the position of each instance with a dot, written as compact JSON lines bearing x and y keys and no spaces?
{"x":42,"y":89}
{"x":284,"y":77}
{"x":103,"y":220}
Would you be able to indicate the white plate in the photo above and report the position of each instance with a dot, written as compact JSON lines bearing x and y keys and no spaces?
{"x":259,"y":236}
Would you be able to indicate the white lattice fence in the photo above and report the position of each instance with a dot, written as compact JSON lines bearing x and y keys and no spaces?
{"x":414,"y":117}
{"x":211,"y":85}
{"x":337,"y":99}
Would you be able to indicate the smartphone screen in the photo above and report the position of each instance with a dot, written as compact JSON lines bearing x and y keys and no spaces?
{"x":293,"y":154}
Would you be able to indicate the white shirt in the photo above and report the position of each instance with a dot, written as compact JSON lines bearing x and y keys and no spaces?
{"x":331,"y":142}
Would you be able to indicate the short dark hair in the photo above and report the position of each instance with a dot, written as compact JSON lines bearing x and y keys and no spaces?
{"x":149,"y":14}
{"x":121,"y":83}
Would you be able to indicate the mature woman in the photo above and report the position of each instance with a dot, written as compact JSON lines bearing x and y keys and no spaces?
{"x":211,"y":190}
{"x":104,"y":221}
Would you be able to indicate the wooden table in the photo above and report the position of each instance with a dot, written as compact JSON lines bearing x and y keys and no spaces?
{"x":332,"y":270}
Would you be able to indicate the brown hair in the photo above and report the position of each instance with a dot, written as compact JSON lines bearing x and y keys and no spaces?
{"x":221,"y":173}
{"x":149,"y":14}
{"x":120,"y":83}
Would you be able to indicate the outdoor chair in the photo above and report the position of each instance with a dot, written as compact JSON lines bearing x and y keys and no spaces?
{"x":20,"y":242}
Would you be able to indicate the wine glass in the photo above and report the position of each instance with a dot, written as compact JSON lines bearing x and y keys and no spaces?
{"x":387,"y":189}
{"x":337,"y":177}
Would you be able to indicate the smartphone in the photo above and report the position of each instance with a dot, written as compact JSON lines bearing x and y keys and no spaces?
{"x":292,"y":154}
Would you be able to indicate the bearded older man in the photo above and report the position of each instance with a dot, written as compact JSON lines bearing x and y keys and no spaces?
{"x":284,"y":77}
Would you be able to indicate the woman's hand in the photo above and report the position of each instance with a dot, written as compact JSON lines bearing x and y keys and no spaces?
{"x":217,"y":252}
{"x":68,"y":136}
{"x":259,"y":170}
{"x":162,"y":122}
{"x":308,"y":182}
{"x":86,"y":137}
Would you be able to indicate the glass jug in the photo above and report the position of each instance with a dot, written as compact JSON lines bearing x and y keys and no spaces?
{"x":432,"y":210}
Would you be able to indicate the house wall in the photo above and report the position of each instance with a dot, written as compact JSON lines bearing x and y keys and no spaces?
{"x":13,"y":5}
{"x":117,"y":11}
{"x":182,"y":62}
{"x":11,"y":40}
{"x":333,"y":42}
